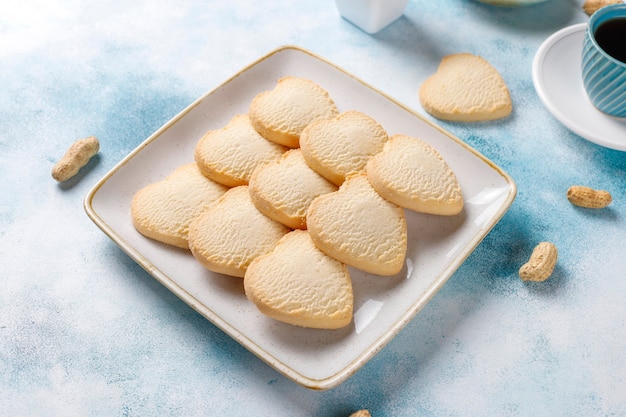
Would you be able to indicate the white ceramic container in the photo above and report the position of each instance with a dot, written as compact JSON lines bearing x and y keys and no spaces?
{"x":371,"y":15}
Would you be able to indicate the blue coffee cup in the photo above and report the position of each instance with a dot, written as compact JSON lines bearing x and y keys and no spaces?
{"x":604,"y":75}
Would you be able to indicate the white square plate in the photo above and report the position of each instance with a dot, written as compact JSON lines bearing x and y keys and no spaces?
{"x":318,"y":359}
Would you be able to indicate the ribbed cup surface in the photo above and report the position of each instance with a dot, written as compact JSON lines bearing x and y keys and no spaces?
{"x":604,"y":77}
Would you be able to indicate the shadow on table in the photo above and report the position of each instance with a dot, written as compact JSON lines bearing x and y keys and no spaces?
{"x":84,"y":171}
{"x":422,"y":41}
{"x":489,"y":274}
{"x":552,"y":14}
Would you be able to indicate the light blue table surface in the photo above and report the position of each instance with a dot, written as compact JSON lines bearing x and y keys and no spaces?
{"x":84,"y":331}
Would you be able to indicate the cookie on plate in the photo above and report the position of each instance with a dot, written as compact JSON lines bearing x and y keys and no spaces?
{"x":465,"y":88}
{"x":358,"y":227}
{"x":228,"y":236}
{"x":281,"y":114}
{"x":230,"y":154}
{"x":283,"y":190}
{"x":341,"y":146}
{"x":284,"y":285}
{"x":164,"y":210}
{"x":412,"y":174}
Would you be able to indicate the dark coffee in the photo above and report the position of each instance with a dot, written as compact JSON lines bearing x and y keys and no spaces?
{"x":611,"y":36}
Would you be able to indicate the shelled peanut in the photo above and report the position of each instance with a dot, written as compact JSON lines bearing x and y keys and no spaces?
{"x":76,"y":157}
{"x":361,"y":413}
{"x":541,"y":263}
{"x":587,"y":197}
{"x":591,"y":6}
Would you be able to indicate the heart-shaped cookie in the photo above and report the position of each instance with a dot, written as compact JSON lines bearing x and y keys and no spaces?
{"x":228,"y":236}
{"x":281,"y":114}
{"x":412,"y":174}
{"x":358,"y":227}
{"x":229,"y":155}
{"x":283,"y":190}
{"x":298,"y":284}
{"x":465,"y":88}
{"x":341,"y":146}
{"x":164,"y":210}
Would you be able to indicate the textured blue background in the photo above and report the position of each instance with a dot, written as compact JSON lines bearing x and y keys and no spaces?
{"x":84,"y":331}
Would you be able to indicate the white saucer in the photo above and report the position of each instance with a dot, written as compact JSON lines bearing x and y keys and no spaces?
{"x":558,"y":81}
